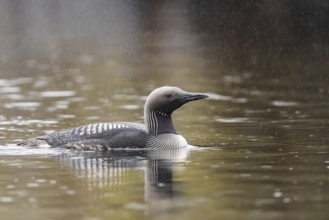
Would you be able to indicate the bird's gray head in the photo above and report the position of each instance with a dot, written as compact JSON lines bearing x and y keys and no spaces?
{"x":159,"y":106}
{"x":167,"y":99}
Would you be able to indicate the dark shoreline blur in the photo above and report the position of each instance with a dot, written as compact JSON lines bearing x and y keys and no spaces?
{"x":271,"y":38}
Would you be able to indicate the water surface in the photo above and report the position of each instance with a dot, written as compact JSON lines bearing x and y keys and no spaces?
{"x":260,"y":142}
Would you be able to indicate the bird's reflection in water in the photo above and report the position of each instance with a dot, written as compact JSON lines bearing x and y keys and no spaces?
{"x":103,"y":169}
{"x":159,"y":173}
{"x":117,"y":169}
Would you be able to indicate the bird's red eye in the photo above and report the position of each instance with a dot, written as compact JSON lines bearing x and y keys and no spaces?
{"x":168,"y":95}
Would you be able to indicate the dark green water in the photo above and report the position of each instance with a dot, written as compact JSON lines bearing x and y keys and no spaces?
{"x":262,"y":145}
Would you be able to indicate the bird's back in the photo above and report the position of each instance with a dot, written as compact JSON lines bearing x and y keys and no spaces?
{"x":96,"y":136}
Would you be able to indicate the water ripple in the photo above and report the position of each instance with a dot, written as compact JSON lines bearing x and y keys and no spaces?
{"x":14,"y":150}
{"x":50,"y":94}
{"x":25,"y":105}
{"x":232,"y":120}
{"x":284,"y":103}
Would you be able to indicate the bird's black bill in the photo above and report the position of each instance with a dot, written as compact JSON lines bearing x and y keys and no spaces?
{"x":183,"y":100}
{"x":192,"y":97}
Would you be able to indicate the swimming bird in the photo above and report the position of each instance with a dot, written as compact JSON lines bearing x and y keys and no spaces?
{"x":158,"y":132}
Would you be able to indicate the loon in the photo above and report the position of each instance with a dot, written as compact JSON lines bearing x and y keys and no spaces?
{"x":158,"y":132}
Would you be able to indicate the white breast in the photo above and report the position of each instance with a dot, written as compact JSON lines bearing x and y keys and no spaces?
{"x":166,"y":141}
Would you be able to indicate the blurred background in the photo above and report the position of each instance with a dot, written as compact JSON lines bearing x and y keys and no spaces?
{"x":264,"y":64}
{"x":106,"y":56}
{"x":163,"y":39}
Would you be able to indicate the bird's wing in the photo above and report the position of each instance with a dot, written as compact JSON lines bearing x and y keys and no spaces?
{"x":95,"y":136}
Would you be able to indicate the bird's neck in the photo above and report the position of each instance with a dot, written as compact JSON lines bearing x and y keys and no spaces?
{"x":157,"y":123}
